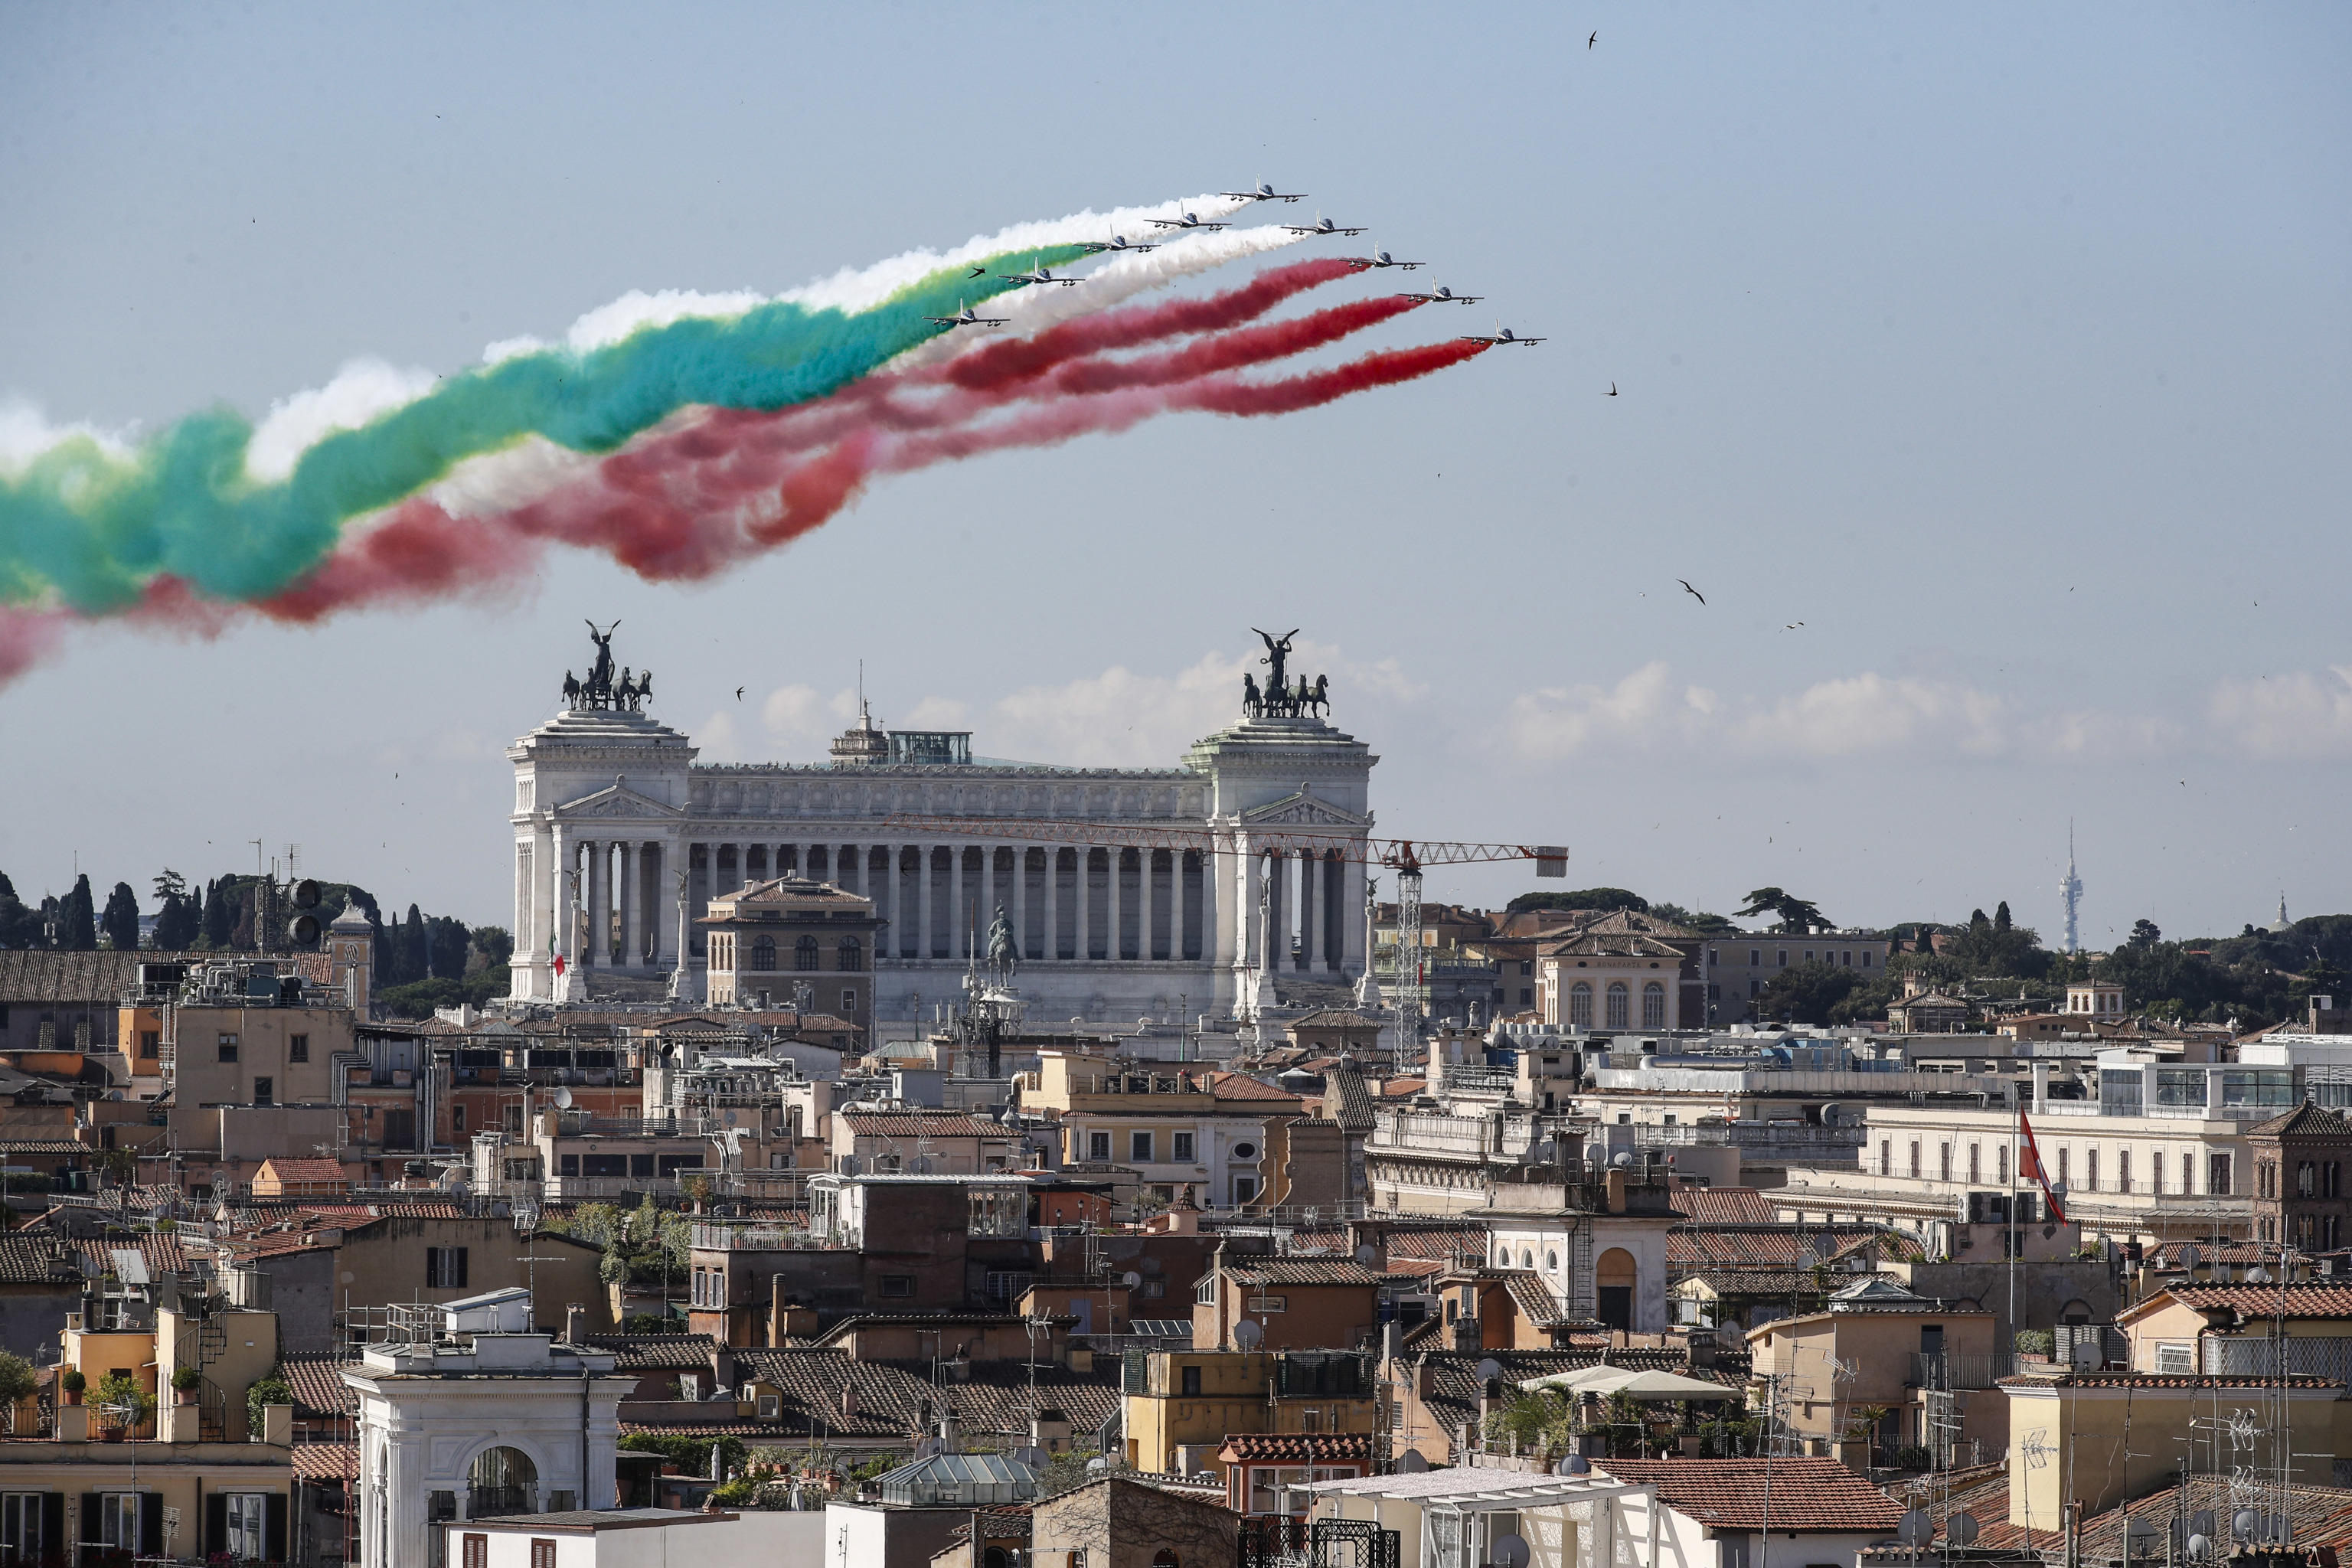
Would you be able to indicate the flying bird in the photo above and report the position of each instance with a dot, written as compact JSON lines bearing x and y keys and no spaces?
{"x":1612,"y":389}
{"x":1592,"y":40}
{"x":1792,"y":626}
{"x":1694,"y":592}
{"x":739,"y":694}
{"x":977,"y":272}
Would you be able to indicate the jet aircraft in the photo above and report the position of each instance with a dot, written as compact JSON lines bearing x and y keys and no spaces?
{"x":1118,"y":242}
{"x":964,"y":317}
{"x":1264,"y":193}
{"x":1501,"y":335}
{"x":1382,"y":259}
{"x":1320,"y":226}
{"x":1041,"y":275}
{"x":1445,"y":296}
{"x":1188,"y":220}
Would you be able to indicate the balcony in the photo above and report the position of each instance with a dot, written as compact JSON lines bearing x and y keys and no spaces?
{"x":1961,"y":1369}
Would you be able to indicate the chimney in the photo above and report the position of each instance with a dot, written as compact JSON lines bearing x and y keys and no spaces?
{"x":2040,"y":1086}
{"x":1614,"y":1185}
{"x":575,"y":1324}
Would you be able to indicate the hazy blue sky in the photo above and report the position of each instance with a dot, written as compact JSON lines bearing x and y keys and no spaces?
{"x":2005,"y":348}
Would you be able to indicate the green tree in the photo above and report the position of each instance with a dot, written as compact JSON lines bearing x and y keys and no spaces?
{"x":77,"y":930}
{"x":2000,"y":916}
{"x":17,"y":1383}
{"x":493,"y":947}
{"x":121,"y":921}
{"x":445,"y":942}
{"x":271,"y":1390}
{"x":19,"y":926}
{"x":118,"y":1403}
{"x":1695,"y":921}
{"x":1808,"y":993}
{"x":1796,"y":916}
{"x":1582,"y":899}
{"x":220,"y":914}
{"x":177,"y":916}
{"x":2144,"y":933}
{"x":415,"y":949}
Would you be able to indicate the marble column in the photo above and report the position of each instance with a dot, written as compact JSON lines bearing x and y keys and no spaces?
{"x":1020,"y":910}
{"x":599,"y":946}
{"x":1114,"y":927}
{"x":559,"y":850}
{"x":628,"y":903}
{"x":923,"y":900}
{"x":1176,"y":904}
{"x":1247,"y":937}
{"x":959,"y":917}
{"x":1053,"y":892}
{"x":1310,"y":910}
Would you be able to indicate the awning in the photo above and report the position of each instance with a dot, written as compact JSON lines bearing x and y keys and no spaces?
{"x":1603,"y":1380}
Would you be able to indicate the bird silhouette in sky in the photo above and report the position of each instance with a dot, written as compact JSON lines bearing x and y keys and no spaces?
{"x":977,"y":272}
{"x":1592,"y":40}
{"x":1694,"y":592}
{"x":739,"y":694}
{"x":1612,"y":389}
{"x":1792,"y":626}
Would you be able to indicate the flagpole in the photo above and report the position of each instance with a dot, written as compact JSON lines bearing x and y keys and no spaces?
{"x":2016,"y":1115}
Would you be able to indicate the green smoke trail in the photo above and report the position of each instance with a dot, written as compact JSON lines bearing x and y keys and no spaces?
{"x":92,"y":528}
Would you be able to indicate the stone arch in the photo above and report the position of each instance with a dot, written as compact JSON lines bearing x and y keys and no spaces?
{"x":1654,"y":1005}
{"x":1615,"y":1275}
{"x":501,"y":1479}
{"x":763,"y":954}
{"x":1579,"y":1004}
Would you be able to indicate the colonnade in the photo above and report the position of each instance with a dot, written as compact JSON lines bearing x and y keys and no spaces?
{"x":609,"y":902}
{"x":1308,"y":905}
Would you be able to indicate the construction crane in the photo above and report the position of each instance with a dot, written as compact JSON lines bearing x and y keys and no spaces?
{"x":1405,"y":857}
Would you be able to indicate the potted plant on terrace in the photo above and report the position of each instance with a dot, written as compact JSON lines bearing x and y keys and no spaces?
{"x":70,"y":1382}
{"x":185,"y":1383}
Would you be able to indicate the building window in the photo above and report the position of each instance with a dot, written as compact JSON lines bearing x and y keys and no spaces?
{"x":298,"y":1048}
{"x":2176,"y":1359}
{"x":228,"y":1048}
{"x":150,"y":1043}
{"x":457,"y":1119}
{"x":1139,"y":1146}
{"x":849,"y":998}
{"x":1580,"y":1006}
{"x":1915,"y":1159}
{"x":763,"y":955}
{"x":2090,"y":1169}
{"x":1098,"y":1146}
{"x":477,"y":1554}
{"x":1654,"y":1005}
{"x":1887,"y":1156}
{"x":1943,"y":1161}
{"x":1782,"y":956}
{"x":1755,"y":958}
{"x":1191,"y":1383}
{"x":445,"y":1268}
{"x":20,"y":1527}
{"x":542,"y":1553}
{"x":245,"y":1535}
{"x":1619,"y":998}
{"x":265,"y":1090}
{"x":117,"y":1521}
{"x":1865,"y":958}
{"x":1975,"y":1155}
{"x":899,"y":1285}
{"x":2217,"y":1175}
{"x":850,"y":955}
{"x":1245,"y":1189}
{"x":1180,"y":1148}
{"x":805,"y":954}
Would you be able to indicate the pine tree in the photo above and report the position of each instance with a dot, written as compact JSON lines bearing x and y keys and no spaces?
{"x":415,"y":953}
{"x":121,"y":920}
{"x":447,"y":945}
{"x":220,"y":920}
{"x":2000,"y":916}
{"x":77,"y":925}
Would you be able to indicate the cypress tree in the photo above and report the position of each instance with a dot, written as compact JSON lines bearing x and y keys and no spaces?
{"x":121,"y":920}
{"x":415,"y":954}
{"x":219,"y":920}
{"x":77,"y":930}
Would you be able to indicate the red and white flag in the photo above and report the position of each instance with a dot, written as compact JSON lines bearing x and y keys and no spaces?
{"x":2029,"y":1164}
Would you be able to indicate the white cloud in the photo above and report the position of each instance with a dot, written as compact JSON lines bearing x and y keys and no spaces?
{"x":802,"y":724}
{"x":1646,"y":709}
{"x":718,"y":741}
{"x":26,"y":433}
{"x":1871,"y":712}
{"x":2297,"y":714}
{"x":1117,"y":718}
{"x":934,"y":713}
{"x":361,"y":391}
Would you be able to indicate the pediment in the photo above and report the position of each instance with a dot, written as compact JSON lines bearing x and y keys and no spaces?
{"x":1302,"y":810}
{"x":617,"y":802}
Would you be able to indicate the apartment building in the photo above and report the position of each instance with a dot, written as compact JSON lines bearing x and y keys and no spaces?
{"x":1174,"y":1126}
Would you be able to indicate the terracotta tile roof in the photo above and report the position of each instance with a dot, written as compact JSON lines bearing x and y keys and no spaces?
{"x":1980,"y":1491}
{"x":317,"y":1379}
{"x":1296,"y":1448}
{"x":2308,"y":1120}
{"x":1454,"y":1385}
{"x":1536,"y":1302}
{"x":894,"y":1398}
{"x":2313,"y":1298}
{"x":1779,"y":1282}
{"x":1722,"y":1206}
{"x":659,"y":1352}
{"x":918,"y":1124}
{"x":1707,"y":1245}
{"x":38,"y":1258}
{"x":164,"y":1253}
{"x":326,"y":1461}
{"x":1305,"y":1271}
{"x":100,"y":977}
{"x":1240,"y":1086}
{"x":1399,"y":1088}
{"x":42,"y":1146}
{"x":307,"y":1172}
{"x":1808,"y":1494}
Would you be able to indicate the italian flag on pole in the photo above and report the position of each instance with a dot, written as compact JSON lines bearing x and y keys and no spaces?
{"x":2031,"y":1166}
{"x":556,"y":957}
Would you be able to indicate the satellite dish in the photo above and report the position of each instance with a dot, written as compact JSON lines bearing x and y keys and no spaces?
{"x":2189,"y":1258}
{"x":1509,"y":1551}
{"x":1490,"y":1370}
{"x":2246,"y":1523}
{"x":1574,"y":1465}
{"x":1917,"y":1529}
{"x":1411,"y":1463}
{"x":1034,"y":1457}
{"x":2201,"y":1522}
{"x":1247,"y":1334}
{"x":1960,"y":1528}
{"x":2138,"y":1530}
{"x":1096,"y":1467}
{"x":2258,"y":1274}
{"x":2200,"y":1547}
{"x":1367,"y":1254}
{"x":1623,"y":1162}
{"x":563,"y":1099}
{"x":1131,"y":1279}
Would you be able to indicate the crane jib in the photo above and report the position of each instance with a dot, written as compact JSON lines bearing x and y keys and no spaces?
{"x":1401,"y":854}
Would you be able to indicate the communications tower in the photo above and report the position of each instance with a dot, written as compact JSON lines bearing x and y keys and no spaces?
{"x":2070,"y":889}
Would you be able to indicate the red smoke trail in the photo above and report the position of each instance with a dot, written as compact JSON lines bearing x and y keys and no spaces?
{"x":691,"y":503}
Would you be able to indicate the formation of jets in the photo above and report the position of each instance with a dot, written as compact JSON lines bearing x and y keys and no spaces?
{"x":1264,"y":193}
{"x":1320,"y":226}
{"x":1039,"y":274}
{"x":965,"y":317}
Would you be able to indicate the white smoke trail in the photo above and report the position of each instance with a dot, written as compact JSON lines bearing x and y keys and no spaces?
{"x":1116,"y":281}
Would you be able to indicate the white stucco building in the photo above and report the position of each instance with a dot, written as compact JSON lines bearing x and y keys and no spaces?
{"x":616,"y":826}
{"x":474,"y":1418}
